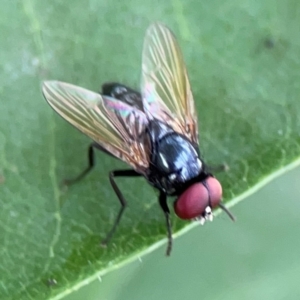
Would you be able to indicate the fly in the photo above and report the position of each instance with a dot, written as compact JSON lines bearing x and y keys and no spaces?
{"x":154,"y":131}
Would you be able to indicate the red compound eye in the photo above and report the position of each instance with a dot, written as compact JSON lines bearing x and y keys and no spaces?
{"x":193,"y":201}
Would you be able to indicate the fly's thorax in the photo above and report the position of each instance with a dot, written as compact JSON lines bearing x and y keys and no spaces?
{"x":174,"y":160}
{"x":157,"y":130}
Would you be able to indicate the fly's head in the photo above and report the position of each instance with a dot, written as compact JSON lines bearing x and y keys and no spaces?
{"x":198,"y":200}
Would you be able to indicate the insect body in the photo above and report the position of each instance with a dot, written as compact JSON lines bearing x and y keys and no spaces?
{"x":155,"y":131}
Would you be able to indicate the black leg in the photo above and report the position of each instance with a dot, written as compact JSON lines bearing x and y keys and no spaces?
{"x":91,"y":163}
{"x":112,"y":175}
{"x":165,"y":208}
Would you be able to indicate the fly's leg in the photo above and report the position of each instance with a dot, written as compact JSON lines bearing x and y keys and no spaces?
{"x":165,"y":208}
{"x":91,"y":163}
{"x":112,"y":175}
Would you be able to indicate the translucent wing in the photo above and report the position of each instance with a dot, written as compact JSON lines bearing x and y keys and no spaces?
{"x":116,"y":126}
{"x":165,"y":87}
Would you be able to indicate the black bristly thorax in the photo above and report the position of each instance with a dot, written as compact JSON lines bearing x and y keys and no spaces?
{"x":174,"y":161}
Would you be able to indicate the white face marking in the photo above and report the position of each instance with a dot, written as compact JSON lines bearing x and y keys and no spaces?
{"x":208,"y":214}
{"x":202,"y":221}
{"x":207,"y":210}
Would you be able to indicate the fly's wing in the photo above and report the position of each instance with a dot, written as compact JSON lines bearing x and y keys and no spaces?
{"x":116,"y":126}
{"x":165,"y":86}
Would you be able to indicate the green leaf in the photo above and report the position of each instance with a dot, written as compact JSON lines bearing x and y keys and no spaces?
{"x":243,"y":63}
{"x":254,"y":258}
